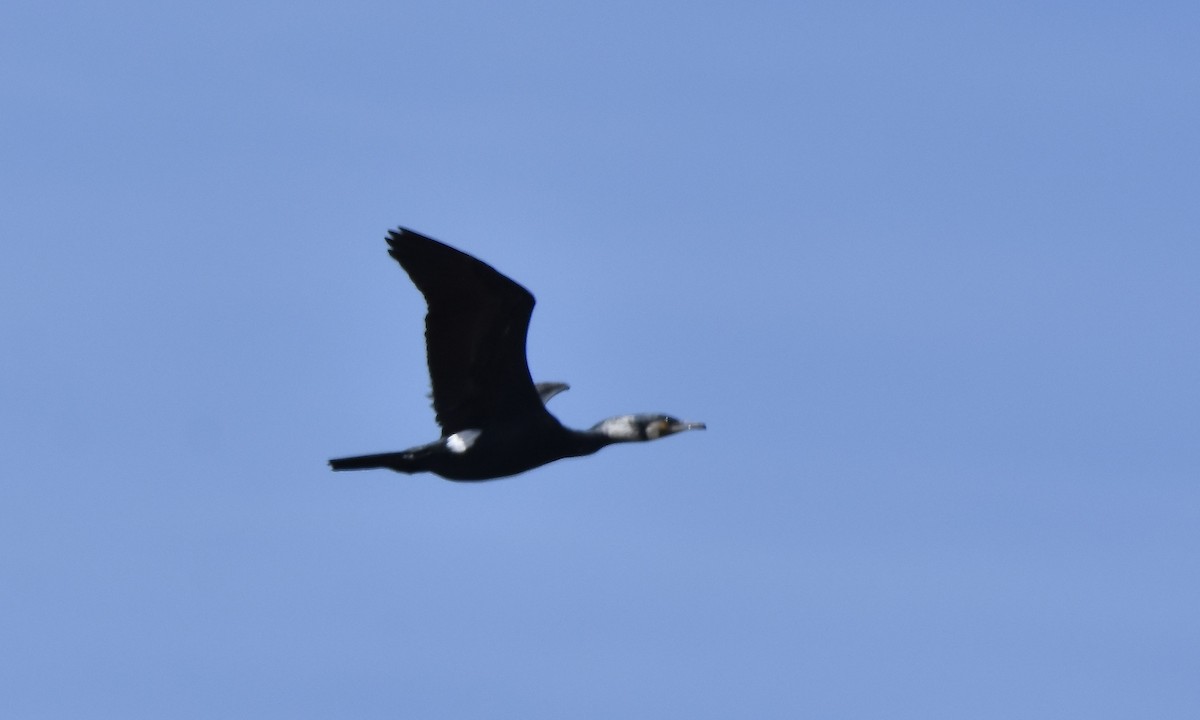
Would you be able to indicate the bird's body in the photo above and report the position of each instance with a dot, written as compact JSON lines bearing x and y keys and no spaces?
{"x":494,"y":452}
{"x":493,"y":417}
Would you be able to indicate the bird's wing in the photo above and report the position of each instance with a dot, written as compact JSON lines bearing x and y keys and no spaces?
{"x":474,"y":334}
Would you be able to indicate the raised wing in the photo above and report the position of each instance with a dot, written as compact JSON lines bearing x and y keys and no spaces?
{"x":474,"y":334}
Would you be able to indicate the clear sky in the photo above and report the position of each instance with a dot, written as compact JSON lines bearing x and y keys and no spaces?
{"x":930,"y":272}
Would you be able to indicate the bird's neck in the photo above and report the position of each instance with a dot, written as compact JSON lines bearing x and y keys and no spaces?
{"x":602,"y":434}
{"x":618,"y":429}
{"x":586,"y":442}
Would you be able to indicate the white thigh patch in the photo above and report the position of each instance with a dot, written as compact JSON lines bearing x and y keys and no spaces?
{"x":462,"y":441}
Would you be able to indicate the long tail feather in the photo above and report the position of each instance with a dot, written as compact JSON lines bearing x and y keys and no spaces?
{"x":398,"y":461}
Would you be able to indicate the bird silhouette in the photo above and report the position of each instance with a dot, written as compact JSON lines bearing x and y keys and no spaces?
{"x":493,"y":417}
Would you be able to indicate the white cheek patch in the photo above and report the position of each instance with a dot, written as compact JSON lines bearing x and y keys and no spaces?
{"x":620,"y":428}
{"x":461,"y":441}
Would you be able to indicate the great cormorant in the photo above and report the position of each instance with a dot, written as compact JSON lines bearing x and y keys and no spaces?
{"x":493,"y":417}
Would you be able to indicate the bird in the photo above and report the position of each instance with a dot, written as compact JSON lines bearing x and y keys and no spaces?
{"x":493,"y":417}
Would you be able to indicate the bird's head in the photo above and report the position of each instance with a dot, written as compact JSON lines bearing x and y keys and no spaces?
{"x":645,"y":426}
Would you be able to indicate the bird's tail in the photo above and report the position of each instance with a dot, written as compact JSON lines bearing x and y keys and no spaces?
{"x":398,"y":461}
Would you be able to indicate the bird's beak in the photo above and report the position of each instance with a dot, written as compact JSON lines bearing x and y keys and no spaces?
{"x":688,"y":426}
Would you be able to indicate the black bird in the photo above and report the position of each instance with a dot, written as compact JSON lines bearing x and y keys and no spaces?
{"x":493,"y":417}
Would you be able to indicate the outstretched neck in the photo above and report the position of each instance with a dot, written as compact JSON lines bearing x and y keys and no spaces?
{"x":622,"y":428}
{"x":603,"y":434}
{"x":627,"y":428}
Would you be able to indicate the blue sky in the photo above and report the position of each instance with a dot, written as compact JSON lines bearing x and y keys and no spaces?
{"x":929,"y":271}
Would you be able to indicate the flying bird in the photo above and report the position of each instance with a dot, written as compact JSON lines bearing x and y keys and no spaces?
{"x":493,"y":417}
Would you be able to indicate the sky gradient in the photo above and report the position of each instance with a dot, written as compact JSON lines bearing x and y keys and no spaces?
{"x":930,"y":272}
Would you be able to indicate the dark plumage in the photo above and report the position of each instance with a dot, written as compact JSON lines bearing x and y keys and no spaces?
{"x":493,"y":417}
